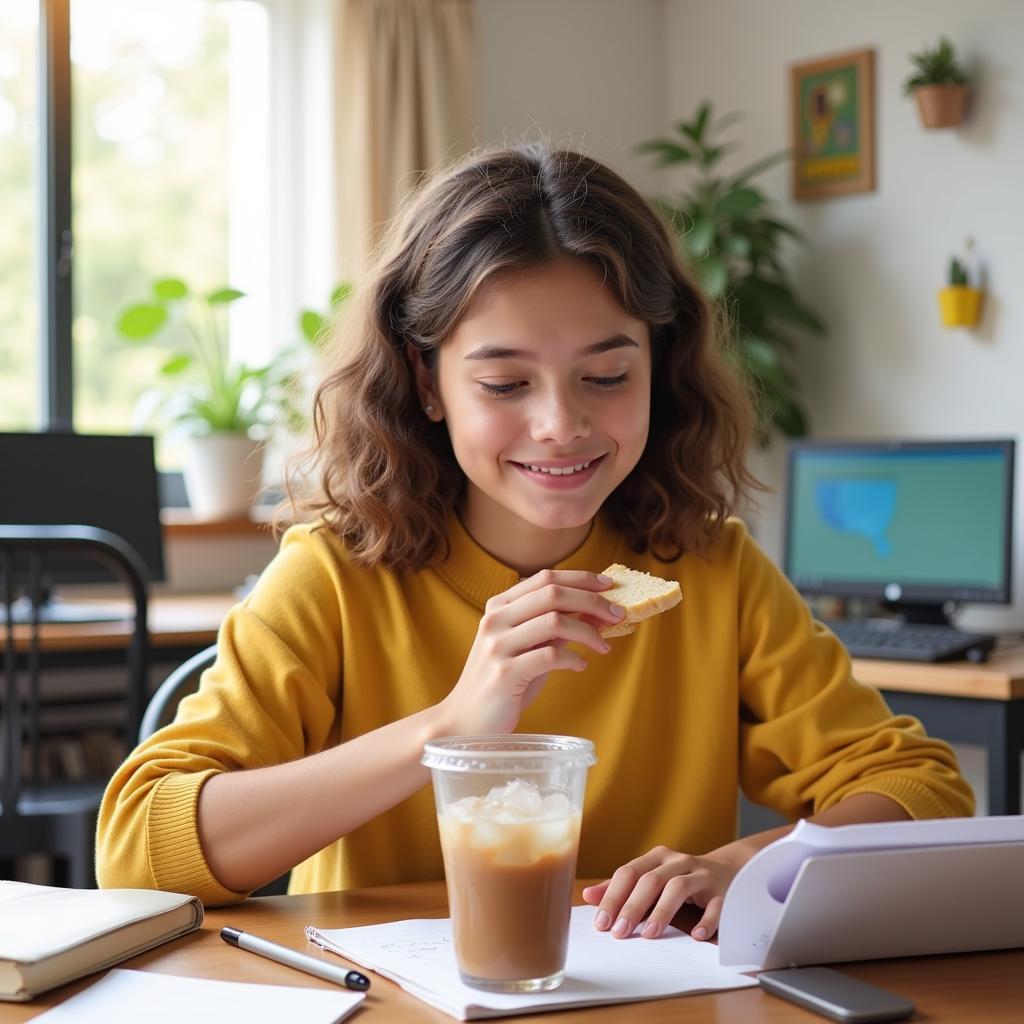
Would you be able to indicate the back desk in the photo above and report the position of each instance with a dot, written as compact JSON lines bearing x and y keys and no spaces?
{"x":958,"y":701}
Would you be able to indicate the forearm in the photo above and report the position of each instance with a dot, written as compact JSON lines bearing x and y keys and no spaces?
{"x":254,"y":825}
{"x":854,"y":810}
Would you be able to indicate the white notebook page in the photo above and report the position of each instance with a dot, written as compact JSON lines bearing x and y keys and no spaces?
{"x":124,"y":996}
{"x":600,"y":969}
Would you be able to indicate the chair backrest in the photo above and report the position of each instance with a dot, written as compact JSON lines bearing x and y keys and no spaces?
{"x":24,"y":551}
{"x":179,"y":684}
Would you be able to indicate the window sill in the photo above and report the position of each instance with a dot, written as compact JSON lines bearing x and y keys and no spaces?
{"x":180,"y":522}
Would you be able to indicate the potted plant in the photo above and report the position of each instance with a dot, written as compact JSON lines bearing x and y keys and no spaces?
{"x":959,"y":302}
{"x":733,"y":240}
{"x":224,"y":407}
{"x":939,"y":84}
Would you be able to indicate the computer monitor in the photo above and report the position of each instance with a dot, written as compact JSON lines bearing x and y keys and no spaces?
{"x":912,"y":524}
{"x":109,"y":481}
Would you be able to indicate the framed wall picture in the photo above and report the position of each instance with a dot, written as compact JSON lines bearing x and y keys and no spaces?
{"x":833,"y":125}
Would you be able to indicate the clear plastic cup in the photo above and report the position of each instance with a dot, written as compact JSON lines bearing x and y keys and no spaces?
{"x":509,"y":811}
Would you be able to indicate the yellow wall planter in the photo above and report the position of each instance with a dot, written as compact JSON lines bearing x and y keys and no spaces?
{"x":960,"y":305}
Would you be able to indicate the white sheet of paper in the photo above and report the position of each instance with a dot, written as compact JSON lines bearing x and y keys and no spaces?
{"x":418,"y":955}
{"x":130,"y":996}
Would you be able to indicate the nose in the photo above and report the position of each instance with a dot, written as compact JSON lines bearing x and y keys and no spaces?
{"x":559,"y":417}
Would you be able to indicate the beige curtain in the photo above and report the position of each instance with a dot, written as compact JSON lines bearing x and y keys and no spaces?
{"x":406,"y":85}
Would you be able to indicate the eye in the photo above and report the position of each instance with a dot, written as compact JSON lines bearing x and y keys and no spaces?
{"x":609,"y":382}
{"x":501,"y":390}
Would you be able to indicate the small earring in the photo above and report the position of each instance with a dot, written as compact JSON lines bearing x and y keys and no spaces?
{"x":428,"y":409}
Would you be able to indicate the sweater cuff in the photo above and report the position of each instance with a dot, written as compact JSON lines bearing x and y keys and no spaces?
{"x":176,"y":858}
{"x":917,"y":800}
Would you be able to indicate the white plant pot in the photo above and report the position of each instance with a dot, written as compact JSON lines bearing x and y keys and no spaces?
{"x":223,"y":474}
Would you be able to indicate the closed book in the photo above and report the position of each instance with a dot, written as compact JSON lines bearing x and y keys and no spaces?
{"x":51,"y":936}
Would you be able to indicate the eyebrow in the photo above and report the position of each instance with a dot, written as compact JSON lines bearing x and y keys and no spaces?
{"x":498,"y":352}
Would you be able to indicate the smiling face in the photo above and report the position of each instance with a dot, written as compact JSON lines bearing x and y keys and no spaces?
{"x":545,"y":388}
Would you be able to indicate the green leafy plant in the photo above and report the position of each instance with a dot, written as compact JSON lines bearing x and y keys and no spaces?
{"x":957,"y":273}
{"x":314,"y":325}
{"x":937,"y":66}
{"x":224,"y":396}
{"x":733,"y":241}
{"x":215,"y":394}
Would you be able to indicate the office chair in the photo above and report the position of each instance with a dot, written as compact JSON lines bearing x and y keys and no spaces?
{"x":36,"y":815}
{"x":162,"y":708}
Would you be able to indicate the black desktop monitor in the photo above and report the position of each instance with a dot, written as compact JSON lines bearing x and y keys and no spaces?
{"x":109,"y":481}
{"x":912,"y":524}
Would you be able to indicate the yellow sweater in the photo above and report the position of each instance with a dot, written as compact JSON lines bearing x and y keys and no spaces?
{"x":735,"y":686}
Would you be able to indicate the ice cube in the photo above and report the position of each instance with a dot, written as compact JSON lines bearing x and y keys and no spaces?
{"x":516,"y":849}
{"x":517,"y":799}
{"x":555,"y":805}
{"x":464,"y":809}
{"x":553,"y":837}
{"x":487,"y":834}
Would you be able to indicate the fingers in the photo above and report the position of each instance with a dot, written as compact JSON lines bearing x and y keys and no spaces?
{"x":708,"y":924}
{"x":677,"y":891}
{"x":629,"y":893}
{"x":561,"y":598}
{"x":654,"y":886}
{"x":550,"y":628}
{"x":568,"y":579}
{"x":542,"y":660}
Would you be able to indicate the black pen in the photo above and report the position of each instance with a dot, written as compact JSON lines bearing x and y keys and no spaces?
{"x":300,"y":961}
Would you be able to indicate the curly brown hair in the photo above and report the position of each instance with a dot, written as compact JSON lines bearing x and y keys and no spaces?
{"x":386,"y":478}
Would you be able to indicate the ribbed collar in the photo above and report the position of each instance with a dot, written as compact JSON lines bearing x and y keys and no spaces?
{"x":478,"y":576}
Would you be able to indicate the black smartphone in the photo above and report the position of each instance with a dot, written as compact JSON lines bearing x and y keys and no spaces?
{"x":835,"y":995}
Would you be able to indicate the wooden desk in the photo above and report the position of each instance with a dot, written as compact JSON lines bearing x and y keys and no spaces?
{"x":983,"y":988}
{"x":175,"y":621}
{"x":965,"y":703}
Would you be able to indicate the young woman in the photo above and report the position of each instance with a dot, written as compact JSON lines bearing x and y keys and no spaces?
{"x":532,"y":388}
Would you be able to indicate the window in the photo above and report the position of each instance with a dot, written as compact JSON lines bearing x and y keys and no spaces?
{"x":167,"y":96}
{"x":198,"y":145}
{"x":19,"y":131}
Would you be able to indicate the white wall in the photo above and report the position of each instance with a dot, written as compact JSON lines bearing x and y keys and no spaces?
{"x":587,"y":73}
{"x":876,"y":259}
{"x":610,"y":73}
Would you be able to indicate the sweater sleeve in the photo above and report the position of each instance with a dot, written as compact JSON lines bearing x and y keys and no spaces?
{"x":810,"y":734}
{"x":271,"y":696}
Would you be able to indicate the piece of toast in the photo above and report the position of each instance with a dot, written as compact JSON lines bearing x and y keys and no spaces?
{"x":641,"y":594}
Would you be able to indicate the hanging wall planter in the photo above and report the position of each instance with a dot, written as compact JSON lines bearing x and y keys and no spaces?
{"x":960,"y":306}
{"x":941,"y":106}
{"x":959,"y":302}
{"x":939,"y":85}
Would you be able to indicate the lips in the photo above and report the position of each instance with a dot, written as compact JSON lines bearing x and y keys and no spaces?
{"x":576,"y":467}
{"x":561,"y":470}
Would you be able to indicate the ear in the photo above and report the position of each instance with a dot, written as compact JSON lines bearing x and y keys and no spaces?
{"x":425,"y":386}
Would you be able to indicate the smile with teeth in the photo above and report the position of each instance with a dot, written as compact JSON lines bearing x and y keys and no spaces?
{"x":559,"y":470}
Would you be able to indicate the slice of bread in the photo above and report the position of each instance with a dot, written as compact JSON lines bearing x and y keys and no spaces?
{"x":641,"y":594}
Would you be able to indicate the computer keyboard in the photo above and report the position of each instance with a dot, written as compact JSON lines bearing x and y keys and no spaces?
{"x":893,"y":640}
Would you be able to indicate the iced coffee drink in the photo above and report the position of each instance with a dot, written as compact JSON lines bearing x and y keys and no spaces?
{"x":510,"y":861}
{"x":509,"y":820}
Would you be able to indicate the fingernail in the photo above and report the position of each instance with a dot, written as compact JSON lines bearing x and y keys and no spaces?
{"x":651,"y":930}
{"x":604,"y":579}
{"x":616,"y":611}
{"x":699,"y":933}
{"x":601,"y":921}
{"x":605,"y":646}
{"x":621,"y":928}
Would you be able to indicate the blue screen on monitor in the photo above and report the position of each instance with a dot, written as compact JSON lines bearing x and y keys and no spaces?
{"x":933,"y":518}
